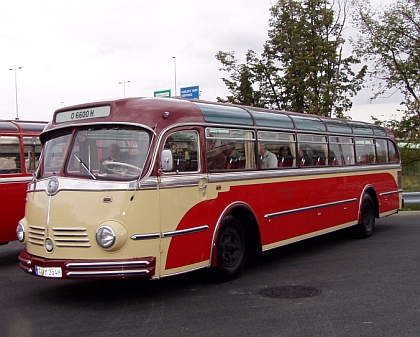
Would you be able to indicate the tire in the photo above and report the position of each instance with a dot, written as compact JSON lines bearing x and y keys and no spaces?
{"x":231,"y":249}
{"x":365,"y":228}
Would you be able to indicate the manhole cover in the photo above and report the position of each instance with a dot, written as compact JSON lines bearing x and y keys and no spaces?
{"x":290,"y":292}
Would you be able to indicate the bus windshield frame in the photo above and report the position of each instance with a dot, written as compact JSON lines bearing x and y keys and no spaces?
{"x":99,"y":152}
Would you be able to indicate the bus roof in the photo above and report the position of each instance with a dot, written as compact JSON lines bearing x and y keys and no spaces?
{"x":18,"y":125}
{"x":160,"y":113}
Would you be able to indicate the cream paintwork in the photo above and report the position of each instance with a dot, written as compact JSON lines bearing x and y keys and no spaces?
{"x":178,"y":201}
{"x":87,"y":210}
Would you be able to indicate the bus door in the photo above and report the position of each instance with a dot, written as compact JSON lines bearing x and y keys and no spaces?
{"x":183,"y":207}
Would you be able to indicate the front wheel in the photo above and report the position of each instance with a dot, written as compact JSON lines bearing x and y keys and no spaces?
{"x":231,"y":249}
{"x":365,"y":228}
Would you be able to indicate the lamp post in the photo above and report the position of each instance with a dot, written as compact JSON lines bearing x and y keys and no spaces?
{"x":175,"y":71}
{"x":124,"y":85}
{"x":17,"y":110}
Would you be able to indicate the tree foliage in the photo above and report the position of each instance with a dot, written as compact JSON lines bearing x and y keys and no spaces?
{"x":302,"y":67}
{"x":391,"y":39}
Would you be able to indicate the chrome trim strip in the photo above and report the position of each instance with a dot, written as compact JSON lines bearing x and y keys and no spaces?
{"x":68,"y":229}
{"x":302,"y":209}
{"x":145,"y":236}
{"x":232,"y":175}
{"x":73,"y":184}
{"x":107,"y":273}
{"x":15,"y":179}
{"x":392,"y":192}
{"x":185,"y":231}
{"x":74,"y":245}
{"x":123,"y":264}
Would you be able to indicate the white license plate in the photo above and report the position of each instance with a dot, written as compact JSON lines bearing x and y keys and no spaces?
{"x":48,"y":271}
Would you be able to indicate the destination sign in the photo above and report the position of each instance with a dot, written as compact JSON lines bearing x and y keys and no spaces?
{"x":75,"y":115}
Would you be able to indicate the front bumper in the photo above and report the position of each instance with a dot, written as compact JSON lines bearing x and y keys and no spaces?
{"x":87,"y":269}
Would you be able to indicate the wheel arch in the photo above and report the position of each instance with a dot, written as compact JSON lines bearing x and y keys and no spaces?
{"x":246,"y":216}
{"x":370,"y":190}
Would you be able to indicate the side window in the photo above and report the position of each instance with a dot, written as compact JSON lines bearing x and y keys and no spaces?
{"x":228,"y":149}
{"x":312,"y":150}
{"x":276,"y":149}
{"x":341,"y":151}
{"x":184,"y":147}
{"x":392,"y":152}
{"x":10,"y":155}
{"x":381,"y":151}
{"x":365,"y":151}
{"x":32,"y":149}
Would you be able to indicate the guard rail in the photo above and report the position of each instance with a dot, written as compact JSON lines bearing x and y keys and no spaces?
{"x":411,"y":197}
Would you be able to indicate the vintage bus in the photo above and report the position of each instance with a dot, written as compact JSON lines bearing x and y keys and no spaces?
{"x":20,"y":148}
{"x":153,"y":187}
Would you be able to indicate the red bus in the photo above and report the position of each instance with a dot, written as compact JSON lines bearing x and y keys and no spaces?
{"x":153,"y":187}
{"x":20,"y":148}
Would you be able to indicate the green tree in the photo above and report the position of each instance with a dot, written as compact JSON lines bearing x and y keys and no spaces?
{"x":241,"y":80}
{"x":302,"y":67}
{"x":390,"y":39}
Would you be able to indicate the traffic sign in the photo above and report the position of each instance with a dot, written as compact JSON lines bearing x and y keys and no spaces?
{"x":162,"y":93}
{"x":190,"y":92}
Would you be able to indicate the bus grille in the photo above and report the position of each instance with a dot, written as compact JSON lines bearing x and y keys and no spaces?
{"x":63,"y":237}
{"x":36,"y":235}
{"x":71,"y":237}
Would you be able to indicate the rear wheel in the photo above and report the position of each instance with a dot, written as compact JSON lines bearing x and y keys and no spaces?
{"x":365,"y":228}
{"x":231,"y":249}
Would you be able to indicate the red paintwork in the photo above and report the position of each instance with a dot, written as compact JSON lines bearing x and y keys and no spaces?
{"x":12,"y":201}
{"x":277,"y":197}
{"x":13,"y":187}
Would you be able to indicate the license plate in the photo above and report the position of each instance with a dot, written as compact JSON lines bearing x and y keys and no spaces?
{"x":48,"y":271}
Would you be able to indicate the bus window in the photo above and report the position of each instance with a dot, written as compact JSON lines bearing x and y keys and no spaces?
{"x":230,"y":149}
{"x":312,"y":150}
{"x":10,"y":155}
{"x":282,"y":145}
{"x":365,"y":151}
{"x":54,"y":152}
{"x":32,"y":151}
{"x":341,"y":151}
{"x":392,"y":152}
{"x":381,"y":151}
{"x":183,"y":145}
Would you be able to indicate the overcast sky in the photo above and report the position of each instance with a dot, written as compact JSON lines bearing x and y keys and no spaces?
{"x":75,"y":51}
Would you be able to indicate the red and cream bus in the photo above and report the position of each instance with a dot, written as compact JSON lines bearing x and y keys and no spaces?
{"x":20,"y":148}
{"x":155,"y":187}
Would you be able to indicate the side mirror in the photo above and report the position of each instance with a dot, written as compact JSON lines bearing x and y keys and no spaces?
{"x":166,"y":161}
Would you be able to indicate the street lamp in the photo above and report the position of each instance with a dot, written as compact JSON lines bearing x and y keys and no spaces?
{"x":17,"y":110}
{"x":175,"y":71}
{"x":124,"y":85}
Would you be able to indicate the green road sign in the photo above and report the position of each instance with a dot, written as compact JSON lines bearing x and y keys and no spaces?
{"x":162,"y":93}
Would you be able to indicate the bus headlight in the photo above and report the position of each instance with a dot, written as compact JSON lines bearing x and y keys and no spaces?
{"x":105,"y":236}
{"x":20,"y":232}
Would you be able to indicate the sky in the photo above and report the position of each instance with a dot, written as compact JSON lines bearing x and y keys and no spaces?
{"x":74,"y":52}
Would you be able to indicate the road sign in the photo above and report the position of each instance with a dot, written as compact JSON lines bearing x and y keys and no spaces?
{"x":162,"y":93}
{"x":190,"y":92}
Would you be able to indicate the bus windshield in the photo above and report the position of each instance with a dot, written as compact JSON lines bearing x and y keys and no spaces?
{"x":116,"y":153}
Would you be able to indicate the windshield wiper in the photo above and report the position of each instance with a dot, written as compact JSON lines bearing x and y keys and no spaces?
{"x":85,"y":167}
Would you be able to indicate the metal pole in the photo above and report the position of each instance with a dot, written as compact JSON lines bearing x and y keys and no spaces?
{"x":124,"y":85}
{"x":17,"y":109}
{"x":175,"y":72}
